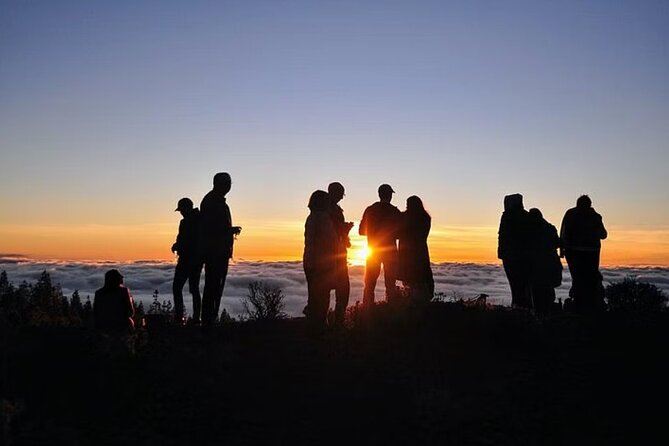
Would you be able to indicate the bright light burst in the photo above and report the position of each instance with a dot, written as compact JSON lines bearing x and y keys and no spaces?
{"x":359,"y":251}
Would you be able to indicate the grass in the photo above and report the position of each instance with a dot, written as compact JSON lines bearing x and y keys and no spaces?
{"x":446,"y":373}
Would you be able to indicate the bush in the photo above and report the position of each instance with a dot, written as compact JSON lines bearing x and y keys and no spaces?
{"x":634,"y":296}
{"x":264,"y":302}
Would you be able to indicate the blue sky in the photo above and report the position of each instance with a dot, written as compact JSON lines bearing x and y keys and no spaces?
{"x":111,"y":111}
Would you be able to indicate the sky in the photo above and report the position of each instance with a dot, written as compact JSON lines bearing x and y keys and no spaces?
{"x":110,"y":111}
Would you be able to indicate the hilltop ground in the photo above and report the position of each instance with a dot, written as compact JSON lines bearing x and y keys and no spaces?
{"x":446,"y":374}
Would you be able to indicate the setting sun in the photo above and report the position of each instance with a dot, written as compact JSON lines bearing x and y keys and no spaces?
{"x":359,"y":251}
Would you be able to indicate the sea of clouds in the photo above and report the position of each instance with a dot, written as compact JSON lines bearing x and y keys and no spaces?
{"x":459,"y":280}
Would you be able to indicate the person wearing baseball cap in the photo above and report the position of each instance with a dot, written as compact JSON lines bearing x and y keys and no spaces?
{"x":189,"y":264}
{"x":380,"y":223}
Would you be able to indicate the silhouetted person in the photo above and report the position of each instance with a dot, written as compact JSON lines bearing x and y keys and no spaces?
{"x":581,"y":233}
{"x":545,"y":266}
{"x":216,"y":239}
{"x":320,"y":258}
{"x":112,"y":306}
{"x":512,"y":249}
{"x":414,"y":257}
{"x":189,"y":264}
{"x":342,"y":285}
{"x":380,"y":223}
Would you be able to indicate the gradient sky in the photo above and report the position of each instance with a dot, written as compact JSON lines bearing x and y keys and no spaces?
{"x":110,"y":111}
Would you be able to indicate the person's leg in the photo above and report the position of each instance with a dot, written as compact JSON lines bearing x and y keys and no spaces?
{"x":542,"y":295}
{"x":593,"y":297}
{"x":518,"y":282}
{"x":372,"y":270}
{"x":317,"y":299}
{"x":429,"y":280}
{"x":211,"y":285}
{"x":180,"y":277}
{"x":194,"y":288}
{"x":579,"y":282}
{"x":389,"y":260}
{"x":223,"y":274}
{"x":342,"y":293}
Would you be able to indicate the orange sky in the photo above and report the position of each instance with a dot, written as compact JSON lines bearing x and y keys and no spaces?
{"x":284,"y":241}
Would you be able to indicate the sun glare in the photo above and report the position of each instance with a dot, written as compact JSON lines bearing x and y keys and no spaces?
{"x":358,"y":253}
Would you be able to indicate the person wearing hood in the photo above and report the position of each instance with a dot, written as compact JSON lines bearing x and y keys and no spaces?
{"x":512,"y":249}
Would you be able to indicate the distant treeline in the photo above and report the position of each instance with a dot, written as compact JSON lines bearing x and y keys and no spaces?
{"x":43,"y":304}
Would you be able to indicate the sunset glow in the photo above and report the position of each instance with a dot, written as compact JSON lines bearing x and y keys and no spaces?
{"x":110,"y":113}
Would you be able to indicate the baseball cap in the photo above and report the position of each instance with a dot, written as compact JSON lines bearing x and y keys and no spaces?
{"x":184,"y":204}
{"x":385,"y":188}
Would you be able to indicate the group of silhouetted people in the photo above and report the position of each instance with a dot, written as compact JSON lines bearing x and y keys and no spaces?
{"x":528,"y":247}
{"x":396,"y":241}
{"x":205,"y":240}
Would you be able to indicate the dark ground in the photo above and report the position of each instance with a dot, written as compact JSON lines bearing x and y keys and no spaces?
{"x":447,"y":375}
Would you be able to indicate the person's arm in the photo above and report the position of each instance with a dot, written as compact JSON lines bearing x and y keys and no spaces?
{"x":602,"y":230}
{"x":180,"y":238}
{"x":96,"y":311}
{"x":555,"y":239}
{"x":362,"y":229}
{"x":130,"y":308}
{"x":563,"y":234}
{"x":398,"y":223}
{"x":501,"y":239}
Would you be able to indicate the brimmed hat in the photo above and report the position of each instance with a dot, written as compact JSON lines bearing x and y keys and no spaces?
{"x":185,"y":204}
{"x":386,"y":189}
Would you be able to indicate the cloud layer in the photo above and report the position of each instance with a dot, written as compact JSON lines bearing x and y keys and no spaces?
{"x":457,"y":280}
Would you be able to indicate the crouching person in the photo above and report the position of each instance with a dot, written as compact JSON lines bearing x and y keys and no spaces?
{"x":113,"y":310}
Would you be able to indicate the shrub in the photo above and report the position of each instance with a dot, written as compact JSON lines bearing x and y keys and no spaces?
{"x":158,"y":307}
{"x":633,"y":295}
{"x":263,"y":302}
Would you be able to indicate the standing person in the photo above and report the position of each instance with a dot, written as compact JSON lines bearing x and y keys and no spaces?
{"x":189,"y":264}
{"x":380,"y":223}
{"x":320,"y":258}
{"x":512,"y":249}
{"x":342,"y":285}
{"x":216,"y":239}
{"x":545,"y":265}
{"x":113,"y":307}
{"x":414,"y":257}
{"x":581,"y":233}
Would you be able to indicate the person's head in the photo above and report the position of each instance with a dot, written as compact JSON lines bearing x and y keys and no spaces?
{"x":113,"y":278}
{"x":513,"y":202}
{"x":222,"y":182}
{"x":536,"y":214}
{"x":386,"y":193}
{"x":319,"y":201}
{"x":185,"y":205}
{"x":336,"y":192}
{"x":584,"y":202}
{"x":415,"y":205}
